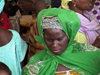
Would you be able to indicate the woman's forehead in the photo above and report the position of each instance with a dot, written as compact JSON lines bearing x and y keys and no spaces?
{"x":53,"y":31}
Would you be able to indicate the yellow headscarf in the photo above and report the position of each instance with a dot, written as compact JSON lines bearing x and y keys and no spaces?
{"x":64,"y":4}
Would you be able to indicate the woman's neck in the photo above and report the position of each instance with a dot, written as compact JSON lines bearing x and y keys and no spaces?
{"x":78,"y":11}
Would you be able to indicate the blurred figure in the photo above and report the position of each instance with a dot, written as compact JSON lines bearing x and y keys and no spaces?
{"x":32,"y":7}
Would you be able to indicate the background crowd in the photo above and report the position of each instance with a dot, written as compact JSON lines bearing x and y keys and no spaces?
{"x":33,"y":32}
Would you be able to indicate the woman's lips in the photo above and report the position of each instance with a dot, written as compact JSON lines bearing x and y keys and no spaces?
{"x":56,"y":51}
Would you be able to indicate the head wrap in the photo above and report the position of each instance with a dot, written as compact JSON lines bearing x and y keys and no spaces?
{"x":51,"y":22}
{"x":2,"y":3}
{"x":73,"y":57}
{"x":64,"y":4}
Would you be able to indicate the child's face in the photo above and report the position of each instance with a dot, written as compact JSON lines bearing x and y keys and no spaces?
{"x":56,"y":40}
{"x":2,"y":72}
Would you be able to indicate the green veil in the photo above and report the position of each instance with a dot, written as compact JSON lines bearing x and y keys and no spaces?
{"x":76,"y":56}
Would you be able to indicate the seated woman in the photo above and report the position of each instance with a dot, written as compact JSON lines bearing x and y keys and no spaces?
{"x":90,"y":28}
{"x":57,"y":30}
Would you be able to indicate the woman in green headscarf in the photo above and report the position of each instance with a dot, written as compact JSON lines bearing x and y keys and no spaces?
{"x":57,"y":29}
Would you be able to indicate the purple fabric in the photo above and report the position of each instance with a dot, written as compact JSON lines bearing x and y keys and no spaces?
{"x":96,"y":11}
{"x":89,"y":26}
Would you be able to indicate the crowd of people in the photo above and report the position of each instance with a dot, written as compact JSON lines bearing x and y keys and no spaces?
{"x":62,"y":37}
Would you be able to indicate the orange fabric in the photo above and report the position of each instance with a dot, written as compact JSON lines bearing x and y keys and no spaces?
{"x":65,"y":73}
{"x":34,"y":46}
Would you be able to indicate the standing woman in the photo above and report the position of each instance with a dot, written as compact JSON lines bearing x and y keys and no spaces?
{"x":57,"y":30}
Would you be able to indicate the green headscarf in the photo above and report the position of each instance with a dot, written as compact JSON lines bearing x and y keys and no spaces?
{"x":73,"y":57}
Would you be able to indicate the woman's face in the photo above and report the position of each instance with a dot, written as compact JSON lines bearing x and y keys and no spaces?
{"x":84,"y":4}
{"x":56,"y":40}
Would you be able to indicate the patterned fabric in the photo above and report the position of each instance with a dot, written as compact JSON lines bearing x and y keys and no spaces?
{"x":51,"y":22}
{"x":67,"y":73}
{"x":4,"y":21}
{"x":96,"y":11}
{"x":13,"y":53}
{"x":46,"y":63}
{"x":81,"y":38}
{"x":34,"y":46}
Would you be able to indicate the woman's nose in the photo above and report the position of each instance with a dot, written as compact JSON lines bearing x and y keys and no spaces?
{"x":55,"y":44}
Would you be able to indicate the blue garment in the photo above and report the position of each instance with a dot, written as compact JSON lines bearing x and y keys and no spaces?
{"x":13,"y":53}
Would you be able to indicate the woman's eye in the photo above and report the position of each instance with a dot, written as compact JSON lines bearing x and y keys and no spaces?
{"x":59,"y":39}
{"x":49,"y":40}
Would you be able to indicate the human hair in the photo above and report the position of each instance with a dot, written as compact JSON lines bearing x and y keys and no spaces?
{"x":4,"y":67}
{"x":1,"y":23}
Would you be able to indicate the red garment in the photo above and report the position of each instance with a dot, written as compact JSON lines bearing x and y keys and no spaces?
{"x":4,"y":21}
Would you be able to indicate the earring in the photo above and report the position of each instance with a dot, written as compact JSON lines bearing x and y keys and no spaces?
{"x":74,"y":5}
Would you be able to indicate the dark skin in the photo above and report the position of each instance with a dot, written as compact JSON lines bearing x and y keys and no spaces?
{"x":5,"y":37}
{"x":56,"y":41}
{"x":31,"y":5}
{"x":2,"y":72}
{"x":81,"y":5}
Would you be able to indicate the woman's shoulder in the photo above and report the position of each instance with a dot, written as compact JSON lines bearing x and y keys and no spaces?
{"x":5,"y":36}
{"x":15,"y":35}
{"x":8,"y":36}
